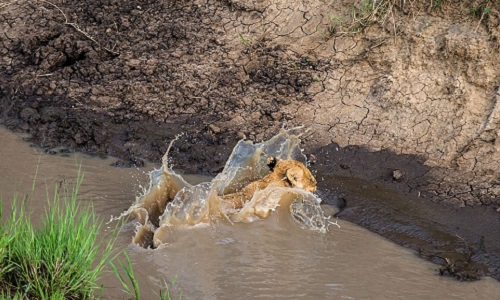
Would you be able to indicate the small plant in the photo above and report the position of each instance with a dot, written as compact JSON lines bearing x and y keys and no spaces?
{"x":481,"y":9}
{"x":365,"y":12}
{"x":165,"y":295}
{"x":436,"y":3}
{"x":370,"y":11}
{"x":246,"y":42}
{"x":130,"y":283}
{"x":131,"y":288}
{"x":334,"y":23}
{"x":361,"y":16}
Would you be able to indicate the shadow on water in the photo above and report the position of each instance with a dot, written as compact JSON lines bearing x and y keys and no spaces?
{"x":463,"y":240}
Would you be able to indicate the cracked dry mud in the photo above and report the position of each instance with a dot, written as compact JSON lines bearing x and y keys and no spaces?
{"x":417,"y":93}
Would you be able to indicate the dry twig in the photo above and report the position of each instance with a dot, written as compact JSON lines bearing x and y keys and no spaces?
{"x":77,"y":28}
{"x":484,"y":12}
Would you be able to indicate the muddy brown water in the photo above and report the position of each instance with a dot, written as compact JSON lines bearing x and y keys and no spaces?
{"x":264,"y":259}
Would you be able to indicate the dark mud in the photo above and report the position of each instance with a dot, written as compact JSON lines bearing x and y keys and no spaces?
{"x":123,"y":78}
{"x":168,"y":73}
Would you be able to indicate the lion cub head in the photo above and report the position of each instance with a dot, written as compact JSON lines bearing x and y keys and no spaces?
{"x":295,"y":173}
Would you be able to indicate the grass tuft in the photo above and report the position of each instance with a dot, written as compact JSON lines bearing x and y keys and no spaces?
{"x":60,"y":260}
{"x":364,"y":13}
{"x":131,"y":288}
{"x":130,"y":283}
{"x":165,"y":295}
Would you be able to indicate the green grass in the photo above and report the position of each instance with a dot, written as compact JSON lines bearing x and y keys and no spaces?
{"x":480,"y":8}
{"x":246,"y":42}
{"x":61,"y":259}
{"x":436,"y":3}
{"x":130,"y":283}
{"x":364,"y":13}
{"x":7,"y":296}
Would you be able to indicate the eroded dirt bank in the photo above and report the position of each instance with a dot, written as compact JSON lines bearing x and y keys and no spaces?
{"x":122,"y":78}
{"x":410,"y":86}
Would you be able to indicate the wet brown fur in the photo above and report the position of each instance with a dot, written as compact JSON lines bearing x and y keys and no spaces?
{"x":285,"y":173}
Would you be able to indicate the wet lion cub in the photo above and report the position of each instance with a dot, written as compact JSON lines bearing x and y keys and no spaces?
{"x":285,"y":173}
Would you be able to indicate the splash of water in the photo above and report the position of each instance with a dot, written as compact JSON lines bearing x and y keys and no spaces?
{"x":170,"y":202}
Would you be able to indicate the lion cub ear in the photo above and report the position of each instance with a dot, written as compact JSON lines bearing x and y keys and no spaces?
{"x":295,"y":176}
{"x":271,"y":162}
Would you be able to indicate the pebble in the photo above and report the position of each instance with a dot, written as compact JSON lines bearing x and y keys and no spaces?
{"x":398,"y":175}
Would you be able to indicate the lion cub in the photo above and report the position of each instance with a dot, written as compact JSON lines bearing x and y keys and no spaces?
{"x":285,"y":173}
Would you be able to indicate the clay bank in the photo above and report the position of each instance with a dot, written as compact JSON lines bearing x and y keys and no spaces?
{"x":401,"y":95}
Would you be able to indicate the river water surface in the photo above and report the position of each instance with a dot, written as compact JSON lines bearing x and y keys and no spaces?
{"x":267,"y":259}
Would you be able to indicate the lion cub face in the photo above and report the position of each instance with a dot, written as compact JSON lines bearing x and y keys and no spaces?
{"x":284,"y":173}
{"x":293,"y":172}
